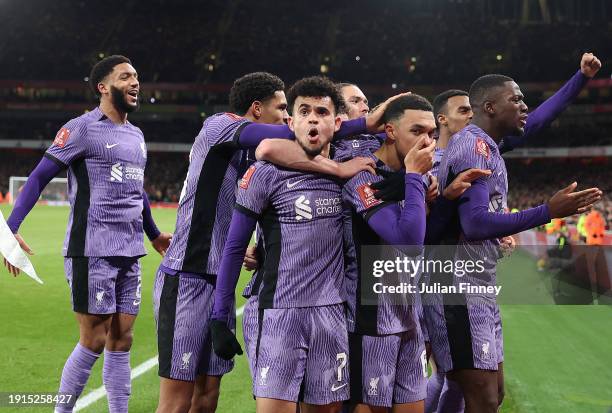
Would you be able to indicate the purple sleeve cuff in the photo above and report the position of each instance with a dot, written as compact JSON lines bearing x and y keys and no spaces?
{"x":44,"y":172}
{"x":478,"y":223}
{"x":238,"y":238}
{"x":542,"y":116}
{"x":405,"y":226}
{"x":350,"y":128}
{"x":253,"y":133}
{"x":147,"y":219}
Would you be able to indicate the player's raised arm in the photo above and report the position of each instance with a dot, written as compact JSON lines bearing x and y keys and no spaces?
{"x":551,"y":108}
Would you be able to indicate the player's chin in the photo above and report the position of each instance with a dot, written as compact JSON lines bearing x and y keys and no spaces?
{"x":519,"y":130}
{"x":131,"y":106}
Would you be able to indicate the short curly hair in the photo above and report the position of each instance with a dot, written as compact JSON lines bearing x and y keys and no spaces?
{"x":251,"y":87}
{"x":104,"y":68}
{"x":316,"y":86}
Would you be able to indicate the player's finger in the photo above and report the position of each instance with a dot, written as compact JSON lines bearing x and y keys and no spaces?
{"x":26,"y":247}
{"x":585,"y":192}
{"x":9,"y":267}
{"x":589,"y":200}
{"x":432,"y":146}
{"x":370,"y":169}
{"x":419,"y":145}
{"x":363,"y":159}
{"x":582,"y":210}
{"x":14,"y":270}
{"x":473,"y":174}
{"x":597,"y":63}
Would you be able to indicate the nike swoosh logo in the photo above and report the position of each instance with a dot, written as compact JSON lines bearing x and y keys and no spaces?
{"x":292,"y":184}
{"x":111,"y":146}
{"x":334,"y":388}
{"x":136,"y":302}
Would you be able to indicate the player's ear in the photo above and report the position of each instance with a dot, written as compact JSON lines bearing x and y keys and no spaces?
{"x":102,"y":89}
{"x":337,"y":123}
{"x":489,"y":107}
{"x":290,"y":123}
{"x":390,"y":131}
{"x":442,"y":119}
{"x":256,"y":109}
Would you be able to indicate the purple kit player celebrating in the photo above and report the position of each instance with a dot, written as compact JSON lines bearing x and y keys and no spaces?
{"x":302,"y":340}
{"x":386,"y":347}
{"x":453,"y":112}
{"x":396,"y":379}
{"x":190,"y":372}
{"x":105,"y":156}
{"x":466,"y":338}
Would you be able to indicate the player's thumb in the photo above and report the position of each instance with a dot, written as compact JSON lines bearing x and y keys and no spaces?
{"x":570,"y":188}
{"x":25,"y":247}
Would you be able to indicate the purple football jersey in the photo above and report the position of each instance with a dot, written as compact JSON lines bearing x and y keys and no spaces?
{"x":388,"y":316}
{"x":106,"y":163}
{"x":300,"y":216}
{"x":346,"y":149}
{"x":473,"y":148}
{"x":205,"y":207}
{"x":437,"y":158}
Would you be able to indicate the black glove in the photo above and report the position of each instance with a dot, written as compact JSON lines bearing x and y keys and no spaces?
{"x":224,"y":340}
{"x":392,"y":188}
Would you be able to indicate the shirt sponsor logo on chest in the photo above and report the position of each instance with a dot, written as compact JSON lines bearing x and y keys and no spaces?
{"x":120,"y":173}
{"x":322,"y":206}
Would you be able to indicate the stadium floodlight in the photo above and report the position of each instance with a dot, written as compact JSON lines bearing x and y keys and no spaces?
{"x":56,"y":193}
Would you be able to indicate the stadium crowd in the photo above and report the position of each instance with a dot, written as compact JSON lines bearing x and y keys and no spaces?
{"x":405,"y":43}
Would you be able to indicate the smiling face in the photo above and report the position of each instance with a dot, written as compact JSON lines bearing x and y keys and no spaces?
{"x":122,"y":87}
{"x":510,"y":112}
{"x":314,"y":123}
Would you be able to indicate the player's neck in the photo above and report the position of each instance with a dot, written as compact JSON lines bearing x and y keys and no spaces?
{"x":111,"y":112}
{"x":443,"y":138}
{"x":388,"y":154}
{"x":489,"y":127}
